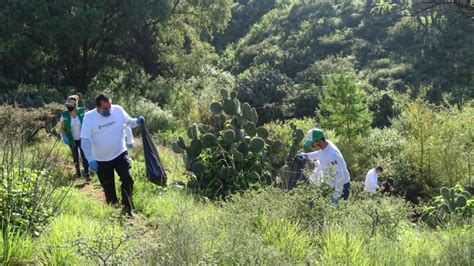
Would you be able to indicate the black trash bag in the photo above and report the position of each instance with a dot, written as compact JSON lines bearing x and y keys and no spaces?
{"x":154,"y":168}
{"x":295,"y":174}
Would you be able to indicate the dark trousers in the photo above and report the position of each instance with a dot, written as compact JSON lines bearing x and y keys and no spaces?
{"x":76,"y":149}
{"x":346,"y":190}
{"x":122,"y":165}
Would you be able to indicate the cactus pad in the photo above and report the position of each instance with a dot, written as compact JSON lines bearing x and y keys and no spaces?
{"x":181,"y":143}
{"x":238,"y":156}
{"x":208,"y":140}
{"x":176,"y":148}
{"x":466,"y":194}
{"x":262,"y":132}
{"x":247,"y":111}
{"x":198,"y":169}
{"x":229,"y":136}
{"x":256,"y":145}
{"x":195,"y":148}
{"x":224,"y":93}
{"x":460,"y":201}
{"x":230,"y":107}
{"x":250,"y":128}
{"x":444,"y":191}
{"x":216,"y":108}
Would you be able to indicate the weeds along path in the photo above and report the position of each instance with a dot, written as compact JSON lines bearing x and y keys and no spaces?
{"x":95,"y":192}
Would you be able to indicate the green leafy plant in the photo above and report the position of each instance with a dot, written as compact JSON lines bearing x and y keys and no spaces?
{"x":29,"y":195}
{"x":106,"y":246}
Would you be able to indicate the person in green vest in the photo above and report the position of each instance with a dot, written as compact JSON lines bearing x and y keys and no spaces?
{"x":71,"y":123}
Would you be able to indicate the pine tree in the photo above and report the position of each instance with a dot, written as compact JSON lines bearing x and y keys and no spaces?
{"x":342,"y":107}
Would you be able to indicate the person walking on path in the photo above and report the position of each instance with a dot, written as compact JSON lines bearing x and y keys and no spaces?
{"x":104,"y":144}
{"x":71,"y":123}
{"x":371,"y":179}
{"x":330,"y":161}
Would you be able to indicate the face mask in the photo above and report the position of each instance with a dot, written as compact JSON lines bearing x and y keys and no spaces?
{"x":71,"y":108}
{"x":105,"y":112}
{"x":316,"y":146}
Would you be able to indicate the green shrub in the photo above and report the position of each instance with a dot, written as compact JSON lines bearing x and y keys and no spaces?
{"x":26,"y":189}
{"x":379,"y":215}
{"x":28,"y":95}
{"x":29,"y":121}
{"x":436,"y":147}
{"x":21,"y":191}
{"x":28,"y":198}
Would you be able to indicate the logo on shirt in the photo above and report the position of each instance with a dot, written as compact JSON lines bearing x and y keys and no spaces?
{"x":106,"y":125}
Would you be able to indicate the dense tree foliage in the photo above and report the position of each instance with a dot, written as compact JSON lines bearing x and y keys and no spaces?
{"x":76,"y":40}
{"x":390,"y":49}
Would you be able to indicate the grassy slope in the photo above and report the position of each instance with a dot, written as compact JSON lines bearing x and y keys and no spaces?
{"x":265,"y":227}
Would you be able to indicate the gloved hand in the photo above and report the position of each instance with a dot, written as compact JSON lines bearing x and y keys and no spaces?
{"x":140,"y":120}
{"x":300,"y":157}
{"x":93,"y":166}
{"x":129,"y":145}
{"x":66,"y":140}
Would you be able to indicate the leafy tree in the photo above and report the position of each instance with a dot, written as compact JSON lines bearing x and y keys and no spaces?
{"x":386,"y":105}
{"x":75,"y":38}
{"x":79,"y":39}
{"x":266,"y":91}
{"x":342,"y":107}
{"x":179,"y":45}
{"x":245,"y":13}
{"x":439,"y":144}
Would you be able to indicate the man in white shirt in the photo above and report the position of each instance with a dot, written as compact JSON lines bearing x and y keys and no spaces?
{"x":371,"y":179}
{"x":330,"y":164}
{"x":129,"y":137}
{"x":103,"y":142}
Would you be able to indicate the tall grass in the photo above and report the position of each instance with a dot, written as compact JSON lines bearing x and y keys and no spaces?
{"x":261,"y":226}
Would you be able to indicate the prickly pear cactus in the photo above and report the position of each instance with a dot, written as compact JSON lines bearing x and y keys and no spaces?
{"x":231,"y":153}
{"x":453,"y":205}
{"x":297,"y":138}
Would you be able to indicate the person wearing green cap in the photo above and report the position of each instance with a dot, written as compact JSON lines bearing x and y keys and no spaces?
{"x":330,"y":161}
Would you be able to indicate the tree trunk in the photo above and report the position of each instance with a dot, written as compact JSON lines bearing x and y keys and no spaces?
{"x":84,"y":78}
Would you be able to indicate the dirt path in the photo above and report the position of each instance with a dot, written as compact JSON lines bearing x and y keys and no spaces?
{"x":94,"y":192}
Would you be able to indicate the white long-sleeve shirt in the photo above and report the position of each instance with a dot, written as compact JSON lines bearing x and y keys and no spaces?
{"x":128,"y":135}
{"x":106,"y":134}
{"x":371,"y":181}
{"x":330,"y":164}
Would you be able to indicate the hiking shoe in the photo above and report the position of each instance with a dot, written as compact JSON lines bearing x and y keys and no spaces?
{"x":130,"y":215}
{"x":88,"y":178}
{"x":127,"y":212}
